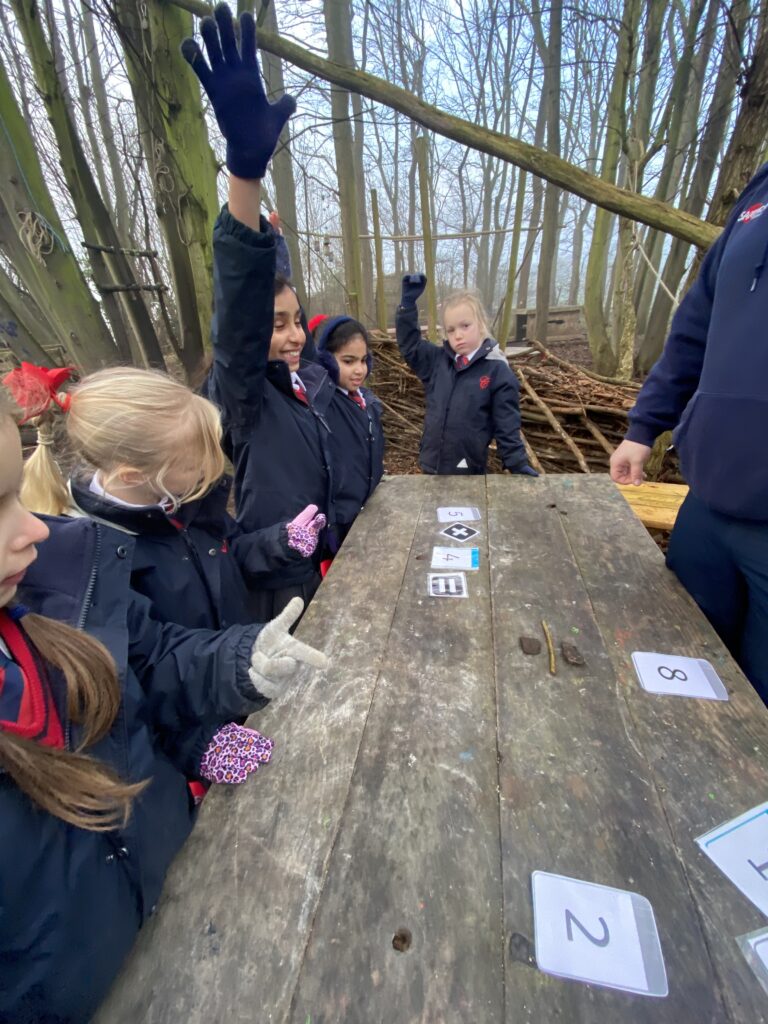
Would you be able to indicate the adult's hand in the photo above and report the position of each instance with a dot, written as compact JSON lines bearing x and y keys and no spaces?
{"x":627,"y":462}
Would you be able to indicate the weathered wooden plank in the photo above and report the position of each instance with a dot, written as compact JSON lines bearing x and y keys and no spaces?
{"x":228,"y":939}
{"x":577,"y":795}
{"x":709,"y":758}
{"x":419,"y":843}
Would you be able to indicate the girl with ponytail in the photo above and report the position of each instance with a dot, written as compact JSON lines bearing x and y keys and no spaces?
{"x":149,"y":463}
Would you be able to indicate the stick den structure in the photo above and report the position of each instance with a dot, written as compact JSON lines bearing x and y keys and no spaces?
{"x":572,"y":418}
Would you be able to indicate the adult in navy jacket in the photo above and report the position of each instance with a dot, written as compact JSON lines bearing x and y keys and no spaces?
{"x":357,"y":437}
{"x":711,"y":385}
{"x":467,"y":405}
{"x":73,"y":900}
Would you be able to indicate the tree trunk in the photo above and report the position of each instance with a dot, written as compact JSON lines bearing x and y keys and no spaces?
{"x":92,"y":214}
{"x":551,"y":101}
{"x":180,"y":160}
{"x":54,"y":281}
{"x":599,"y":342}
{"x":283,"y":181}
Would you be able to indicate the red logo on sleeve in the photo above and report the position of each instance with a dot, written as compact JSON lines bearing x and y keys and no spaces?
{"x":752,"y":212}
{"x":485,"y":382}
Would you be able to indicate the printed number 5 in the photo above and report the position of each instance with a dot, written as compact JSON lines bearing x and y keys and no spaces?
{"x":569,"y":918}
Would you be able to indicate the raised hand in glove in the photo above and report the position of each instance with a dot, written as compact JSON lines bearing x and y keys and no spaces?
{"x":248,"y":121}
{"x":413,"y":286}
{"x":523,"y":470}
{"x":304,"y":530}
{"x":276,"y":655}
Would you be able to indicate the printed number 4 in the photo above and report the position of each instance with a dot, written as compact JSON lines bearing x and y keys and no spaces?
{"x":450,"y":558}
{"x":569,"y":918}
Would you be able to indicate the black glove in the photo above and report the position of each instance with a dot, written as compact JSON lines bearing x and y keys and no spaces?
{"x":523,"y":470}
{"x":413,"y":286}
{"x":248,"y":121}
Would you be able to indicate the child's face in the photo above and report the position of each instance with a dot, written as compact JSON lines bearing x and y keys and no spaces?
{"x":351,"y":360}
{"x":20,"y":531}
{"x":287,"y":333}
{"x":462,"y":328}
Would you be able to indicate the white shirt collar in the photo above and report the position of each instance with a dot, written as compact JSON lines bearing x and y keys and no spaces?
{"x":97,"y":487}
{"x":470,"y":355}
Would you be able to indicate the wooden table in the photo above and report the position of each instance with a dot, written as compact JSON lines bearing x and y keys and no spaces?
{"x":416,"y":786}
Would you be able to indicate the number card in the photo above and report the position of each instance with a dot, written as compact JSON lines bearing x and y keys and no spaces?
{"x":740,"y":849}
{"x":459,"y":532}
{"x":596,"y":934}
{"x":457,"y":514}
{"x":681,"y":677}
{"x":455,"y":558}
{"x":754,"y":946}
{"x":447,"y":584}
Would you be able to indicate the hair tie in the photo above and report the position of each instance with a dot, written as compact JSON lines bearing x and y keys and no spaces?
{"x":35,"y":388}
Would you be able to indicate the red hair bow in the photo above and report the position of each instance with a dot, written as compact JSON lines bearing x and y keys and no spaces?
{"x":316,"y":321}
{"x":34,"y":388}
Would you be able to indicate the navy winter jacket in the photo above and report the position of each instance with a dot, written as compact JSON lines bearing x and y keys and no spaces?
{"x":356,"y":441}
{"x":72,"y":901}
{"x":279,"y":446}
{"x":711,"y":381}
{"x":194,"y":565}
{"x":466,"y":407}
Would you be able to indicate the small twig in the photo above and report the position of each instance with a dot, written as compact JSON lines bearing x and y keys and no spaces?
{"x":532,"y":456}
{"x":550,"y":648}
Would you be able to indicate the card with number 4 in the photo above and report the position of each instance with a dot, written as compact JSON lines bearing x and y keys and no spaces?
{"x":678,"y":676}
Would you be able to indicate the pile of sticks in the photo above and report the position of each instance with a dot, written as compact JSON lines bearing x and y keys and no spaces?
{"x":572,"y":418}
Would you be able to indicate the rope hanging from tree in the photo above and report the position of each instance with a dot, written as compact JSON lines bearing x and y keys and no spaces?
{"x":35,"y":235}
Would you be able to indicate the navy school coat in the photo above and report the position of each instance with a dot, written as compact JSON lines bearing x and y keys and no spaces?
{"x":466,"y":407}
{"x":72,"y":901}
{"x":280,"y":448}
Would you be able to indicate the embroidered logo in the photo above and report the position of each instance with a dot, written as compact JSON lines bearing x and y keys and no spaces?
{"x":752,"y":212}
{"x":485,"y":382}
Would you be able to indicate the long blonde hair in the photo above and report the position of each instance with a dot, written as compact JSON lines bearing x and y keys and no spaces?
{"x":123,"y":416}
{"x":474,"y":303}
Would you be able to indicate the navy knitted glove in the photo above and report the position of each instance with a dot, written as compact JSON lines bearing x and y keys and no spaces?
{"x":523,"y":470}
{"x":413,"y":286}
{"x":248,"y":121}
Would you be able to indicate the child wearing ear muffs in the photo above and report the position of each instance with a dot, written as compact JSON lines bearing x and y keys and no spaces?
{"x":354,"y":416}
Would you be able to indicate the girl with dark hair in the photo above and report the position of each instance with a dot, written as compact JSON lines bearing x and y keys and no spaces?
{"x":354,"y":415}
{"x":274,"y":406}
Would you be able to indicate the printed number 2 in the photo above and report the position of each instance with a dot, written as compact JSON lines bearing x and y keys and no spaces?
{"x":569,"y":917}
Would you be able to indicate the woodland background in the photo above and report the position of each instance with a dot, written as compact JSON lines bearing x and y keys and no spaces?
{"x":545,"y":155}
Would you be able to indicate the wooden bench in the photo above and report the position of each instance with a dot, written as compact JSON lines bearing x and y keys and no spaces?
{"x":655,"y":505}
{"x":379,"y":869}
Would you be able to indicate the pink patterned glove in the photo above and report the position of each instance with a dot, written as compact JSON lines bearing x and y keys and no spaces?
{"x":303,"y":531}
{"x":233,"y":753}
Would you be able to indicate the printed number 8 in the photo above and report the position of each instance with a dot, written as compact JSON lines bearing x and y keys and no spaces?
{"x":672,"y":673}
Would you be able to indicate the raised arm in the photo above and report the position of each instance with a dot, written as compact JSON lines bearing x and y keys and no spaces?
{"x":420,"y":355}
{"x":244,"y":249}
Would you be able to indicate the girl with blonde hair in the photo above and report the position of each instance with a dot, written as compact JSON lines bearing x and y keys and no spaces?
{"x":93,"y":798}
{"x":472,"y":394}
{"x":150,"y":465}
